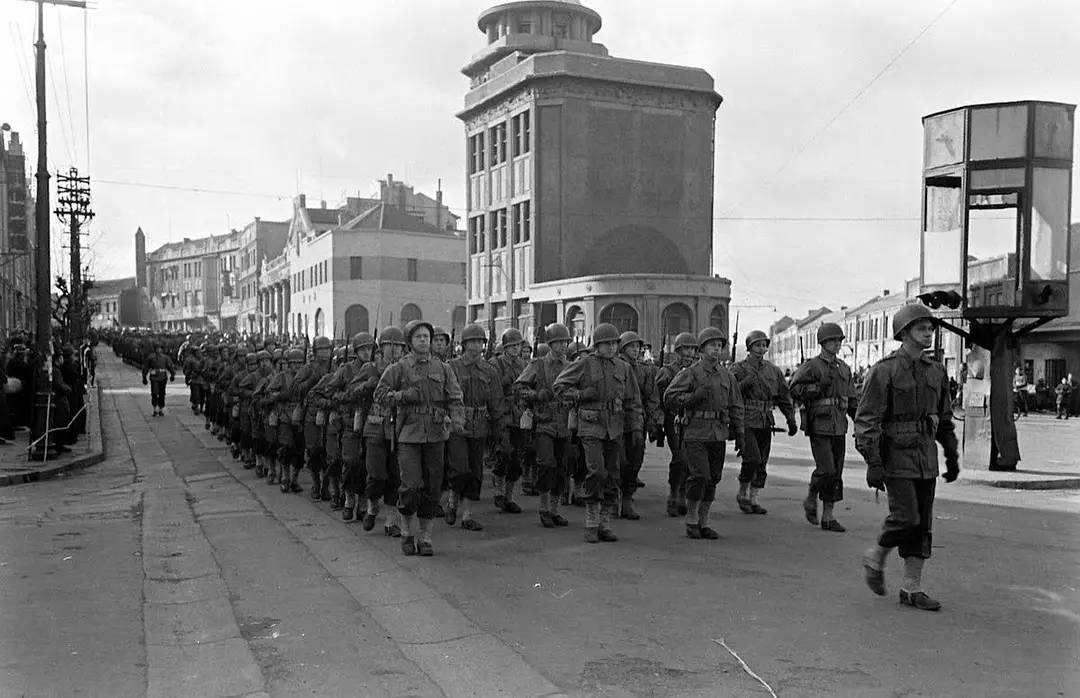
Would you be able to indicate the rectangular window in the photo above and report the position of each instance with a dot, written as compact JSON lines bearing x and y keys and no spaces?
{"x":477,"y":157}
{"x":524,"y":28}
{"x":523,"y":219}
{"x":519,"y":133}
{"x":356,"y":267}
{"x":499,"y":229}
{"x":198,"y":268}
{"x":477,"y":234}
{"x":464,"y":271}
{"x":498,"y":144}
{"x":411,"y":263}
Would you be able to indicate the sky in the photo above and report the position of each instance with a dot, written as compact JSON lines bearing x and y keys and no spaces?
{"x":203,"y":114}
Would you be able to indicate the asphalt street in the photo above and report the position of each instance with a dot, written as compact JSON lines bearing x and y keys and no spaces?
{"x":171,"y":570}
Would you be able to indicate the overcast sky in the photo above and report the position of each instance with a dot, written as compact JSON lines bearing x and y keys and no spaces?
{"x":275,"y":97}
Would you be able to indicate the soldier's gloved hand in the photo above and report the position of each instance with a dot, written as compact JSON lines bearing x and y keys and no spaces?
{"x":587,"y":394}
{"x":952,"y":469}
{"x":875,"y":476}
{"x":792,"y":427}
{"x":738,"y":443}
{"x":544,"y":395}
{"x":409,"y":396}
{"x":144,"y":381}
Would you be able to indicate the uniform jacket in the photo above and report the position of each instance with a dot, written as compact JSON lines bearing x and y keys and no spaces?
{"x":827,"y":396}
{"x":509,"y":370}
{"x":664,"y":376}
{"x":607,"y":396}
{"x":763,"y":387}
{"x":481,"y":395}
{"x":550,"y":416}
{"x":904,"y":409}
{"x":340,"y":400}
{"x":428,"y":419}
{"x":281,"y":394}
{"x":305,"y":380}
{"x":361,"y":391}
{"x":192,"y":369}
{"x":645,"y":375}
{"x":156,"y":366}
{"x":710,"y":399}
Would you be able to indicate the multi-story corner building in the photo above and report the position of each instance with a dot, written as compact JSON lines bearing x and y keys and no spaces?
{"x":431,"y":211}
{"x":783,"y":343}
{"x":18,"y":302}
{"x":259,"y":240}
{"x":106,"y":299}
{"x":191,"y":284}
{"x":362,"y":266}
{"x":794,"y":341}
{"x":589,"y":180}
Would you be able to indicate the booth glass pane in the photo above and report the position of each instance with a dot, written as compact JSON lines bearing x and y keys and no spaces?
{"x":1012,"y":177}
{"x":943,"y":139}
{"x":1053,"y":131}
{"x":991,"y":260}
{"x":941,"y":238}
{"x":1049,"y":224}
{"x":998,"y":132}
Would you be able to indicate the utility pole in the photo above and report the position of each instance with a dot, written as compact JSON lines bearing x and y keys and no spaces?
{"x":73,"y":197}
{"x":43,"y":324}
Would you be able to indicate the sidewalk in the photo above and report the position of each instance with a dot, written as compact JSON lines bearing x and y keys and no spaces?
{"x":16,"y":468}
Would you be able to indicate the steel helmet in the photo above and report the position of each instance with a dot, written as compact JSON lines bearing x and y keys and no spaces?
{"x":757,"y":336}
{"x":909,"y":315}
{"x":263,"y":355}
{"x":278,"y":354}
{"x":685,"y":339}
{"x":711,"y":334}
{"x":413,"y":325}
{"x":440,"y":332}
{"x":556,"y":332}
{"x":295,"y":355}
{"x":543,"y":349}
{"x":829,"y":330}
{"x":510,"y":337}
{"x":250,"y":358}
{"x":572,"y":351}
{"x":605,"y":332}
{"x":322,"y":343}
{"x":628,"y":338}
{"x":392,"y":335}
{"x":362,"y":339}
{"x":340,"y":352}
{"x":473,"y":331}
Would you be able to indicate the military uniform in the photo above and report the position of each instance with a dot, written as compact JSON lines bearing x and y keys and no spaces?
{"x":427,"y":397}
{"x":158,"y":368}
{"x":763,"y":389}
{"x":307,"y":403}
{"x":823,"y":386}
{"x":905,"y":411}
{"x":551,"y":428}
{"x":509,"y":463}
{"x":485,"y":418}
{"x":634,"y":450}
{"x":192,"y":365}
{"x":676,"y":501}
{"x":708,"y":396}
{"x":608,"y":399}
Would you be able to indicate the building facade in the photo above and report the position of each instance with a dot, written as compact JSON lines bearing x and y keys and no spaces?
{"x":191,"y":283}
{"x":18,"y":303}
{"x":589,"y":181}
{"x":259,"y":241}
{"x":105,"y":297}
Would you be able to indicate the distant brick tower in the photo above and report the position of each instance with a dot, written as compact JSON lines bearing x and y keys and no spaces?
{"x":140,"y":259}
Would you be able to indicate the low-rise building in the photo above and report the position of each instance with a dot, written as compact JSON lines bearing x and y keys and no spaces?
{"x":191,"y":283}
{"x":259,"y":240}
{"x":104,"y":299}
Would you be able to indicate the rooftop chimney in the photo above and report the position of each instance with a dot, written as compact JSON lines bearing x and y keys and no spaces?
{"x":303,"y":201}
{"x":885,"y":292}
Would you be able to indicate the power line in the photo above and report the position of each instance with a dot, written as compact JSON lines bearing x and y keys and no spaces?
{"x":67,"y":84}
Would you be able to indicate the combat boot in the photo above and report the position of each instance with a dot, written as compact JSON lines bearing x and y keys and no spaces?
{"x":509,"y":505}
{"x":628,"y":511}
{"x":450,"y":510}
{"x":592,"y":522}
{"x":874,"y":569}
{"x":809,"y":506}
{"x":919,"y":600}
{"x":557,"y":518}
{"x":605,"y":533}
{"x":350,"y":504}
{"x":703,"y":522}
{"x":672,"y":505}
{"x":681,"y":505}
{"x":294,"y":477}
{"x":370,"y":515}
{"x":754,"y":506}
{"x":743,"y":498}
{"x":423,"y":545}
{"x":324,"y":491}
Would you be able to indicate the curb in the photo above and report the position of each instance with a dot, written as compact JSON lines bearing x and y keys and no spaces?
{"x":97,"y":454}
{"x":1072,"y":483}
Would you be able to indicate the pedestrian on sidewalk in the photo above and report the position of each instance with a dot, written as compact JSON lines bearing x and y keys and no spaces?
{"x":158,"y":368}
{"x":763,"y":388}
{"x":904,"y":413}
{"x":824,"y":388}
{"x":1020,"y":383}
{"x":1063,"y":398}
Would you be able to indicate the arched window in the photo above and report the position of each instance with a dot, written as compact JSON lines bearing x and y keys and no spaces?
{"x":623,"y":316}
{"x":320,"y":322}
{"x":457,"y":319}
{"x":718,"y":317}
{"x":356,"y":320}
{"x":676,"y":318}
{"x":410,"y":312}
{"x":575,"y":321}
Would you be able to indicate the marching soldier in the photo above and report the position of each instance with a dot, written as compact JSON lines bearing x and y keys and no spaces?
{"x":192,"y":366}
{"x":763,"y":387}
{"x":551,"y":428}
{"x":709,"y":397}
{"x":607,"y":397}
{"x":425,"y":393}
{"x":485,"y":420}
{"x":245,"y":391}
{"x":630,"y":346}
{"x":440,"y":345}
{"x":268,"y":402}
{"x":351,"y":407}
{"x":575,"y":456}
{"x":823,"y":386}
{"x":321,"y":401}
{"x":290,"y":436}
{"x":685,"y":354}
{"x":380,"y":448}
{"x":302,"y":386}
{"x":905,"y":408}
{"x":508,"y":463}
{"x":157,"y":367}
{"x":258,"y":413}
{"x":207,"y":369}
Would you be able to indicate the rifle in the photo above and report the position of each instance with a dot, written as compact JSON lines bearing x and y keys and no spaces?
{"x":663,"y":340}
{"x":802,"y":357}
{"x":453,"y":336}
{"x":735,"y":337}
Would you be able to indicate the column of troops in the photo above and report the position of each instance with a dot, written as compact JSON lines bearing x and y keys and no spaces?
{"x":400,"y":424}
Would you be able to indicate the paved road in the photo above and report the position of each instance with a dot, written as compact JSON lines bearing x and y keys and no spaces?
{"x":169,"y":570}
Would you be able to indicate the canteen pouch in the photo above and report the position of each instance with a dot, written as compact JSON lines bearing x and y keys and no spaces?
{"x":526,"y":421}
{"x":334,"y":419}
{"x":572,"y":420}
{"x":297,"y":416}
{"x":236,"y":411}
{"x":591,"y":416}
{"x":272,"y":419}
{"x":320,"y":418}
